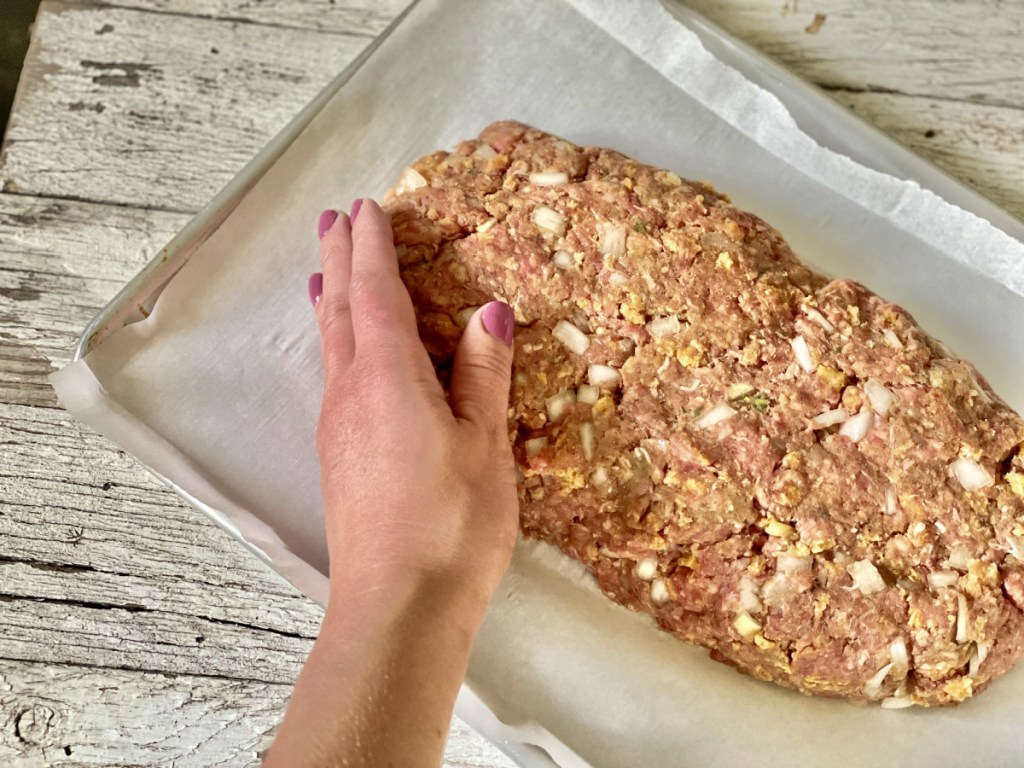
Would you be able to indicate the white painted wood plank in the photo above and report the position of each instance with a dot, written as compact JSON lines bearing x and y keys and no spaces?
{"x":964,"y":50}
{"x":162,"y":110}
{"x":77,"y":716}
{"x":353,"y":17}
{"x":63,"y":632}
{"x":71,"y":716}
{"x":92,"y":526}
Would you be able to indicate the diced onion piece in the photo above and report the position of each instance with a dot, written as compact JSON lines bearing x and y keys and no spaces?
{"x":745,"y":624}
{"x":971,"y":475}
{"x":563,"y":259}
{"x":659,"y":591}
{"x":856,"y":427}
{"x":892,"y":339}
{"x":660,"y":327}
{"x":535,"y":445}
{"x":899,"y":655}
{"x":890,"y":500}
{"x":612,"y":239}
{"x":977,"y":658}
{"x":802,"y":353}
{"x":828,"y":418}
{"x":750,"y":601}
{"x":736,"y":391}
{"x":572,"y":337}
{"x":959,"y":558}
{"x":873,"y":686}
{"x":777,"y":590}
{"x":558,"y":405}
{"x":647,"y":568}
{"x":587,"y":394}
{"x":587,"y":439}
{"x":603,"y":376}
{"x":465,"y":314}
{"x":718,"y":414}
{"x":548,"y":179}
{"x":866,"y":577}
{"x":409,"y":180}
{"x":485,"y":152}
{"x":599,"y":476}
{"x":880,"y":397}
{"x":961,"y":618}
{"x":779,"y":529}
{"x":617,"y":278}
{"x":819,"y":318}
{"x":897,"y":702}
{"x":788,"y":563}
{"x":486,"y":226}
{"x":941,"y":579}
{"x":549,"y":220}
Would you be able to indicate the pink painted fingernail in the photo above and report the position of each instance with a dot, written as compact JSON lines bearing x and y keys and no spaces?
{"x":356,"y":205}
{"x":499,"y":321}
{"x":316,"y":287}
{"x":327,"y":219}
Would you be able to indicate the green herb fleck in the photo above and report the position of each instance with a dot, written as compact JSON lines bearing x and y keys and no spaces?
{"x":697,"y":412}
{"x":639,"y":225}
{"x":757,"y":400}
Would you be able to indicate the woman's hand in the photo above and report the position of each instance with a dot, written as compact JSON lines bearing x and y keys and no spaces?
{"x":420,"y":505}
{"x":412,"y":482}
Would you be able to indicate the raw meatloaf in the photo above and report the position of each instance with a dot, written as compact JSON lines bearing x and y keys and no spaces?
{"x":782,"y":468}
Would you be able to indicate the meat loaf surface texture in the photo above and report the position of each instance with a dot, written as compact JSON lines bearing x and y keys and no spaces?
{"x":782,"y":468}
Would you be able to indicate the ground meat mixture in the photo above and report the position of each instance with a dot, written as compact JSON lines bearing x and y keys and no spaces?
{"x":782,"y":468}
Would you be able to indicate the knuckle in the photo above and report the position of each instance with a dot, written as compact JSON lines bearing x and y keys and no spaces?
{"x":336,"y":309}
{"x":491,"y":364}
{"x":335,"y":250}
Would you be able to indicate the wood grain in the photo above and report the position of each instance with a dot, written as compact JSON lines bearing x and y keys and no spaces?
{"x":348,"y":17}
{"x":145,"y":718}
{"x":161,"y":110}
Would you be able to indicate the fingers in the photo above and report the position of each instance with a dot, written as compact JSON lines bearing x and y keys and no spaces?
{"x":482,"y":373}
{"x":382,"y":312}
{"x":332,"y":308}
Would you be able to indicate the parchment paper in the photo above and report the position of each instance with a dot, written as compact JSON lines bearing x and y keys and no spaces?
{"x":218,"y":390}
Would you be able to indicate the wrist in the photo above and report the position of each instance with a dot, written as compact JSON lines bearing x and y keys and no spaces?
{"x":385,"y":593}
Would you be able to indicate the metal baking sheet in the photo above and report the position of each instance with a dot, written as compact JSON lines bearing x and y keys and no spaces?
{"x":825,"y":121}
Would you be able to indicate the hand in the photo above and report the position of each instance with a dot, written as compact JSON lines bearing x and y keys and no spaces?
{"x":413,"y":483}
{"x":420,"y":506}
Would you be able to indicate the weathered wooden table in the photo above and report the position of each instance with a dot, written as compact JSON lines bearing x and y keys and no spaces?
{"x":132,"y":630}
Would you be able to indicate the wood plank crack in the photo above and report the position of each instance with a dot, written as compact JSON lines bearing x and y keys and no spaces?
{"x":881,"y":89}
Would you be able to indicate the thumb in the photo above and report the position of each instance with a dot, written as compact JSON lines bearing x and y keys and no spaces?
{"x":482,"y":373}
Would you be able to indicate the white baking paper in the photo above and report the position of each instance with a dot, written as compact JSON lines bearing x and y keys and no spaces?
{"x":218,"y":390}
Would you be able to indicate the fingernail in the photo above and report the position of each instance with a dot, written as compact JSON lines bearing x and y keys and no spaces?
{"x":327,"y":219}
{"x":316,"y":287}
{"x":356,"y":205}
{"x":499,"y":321}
